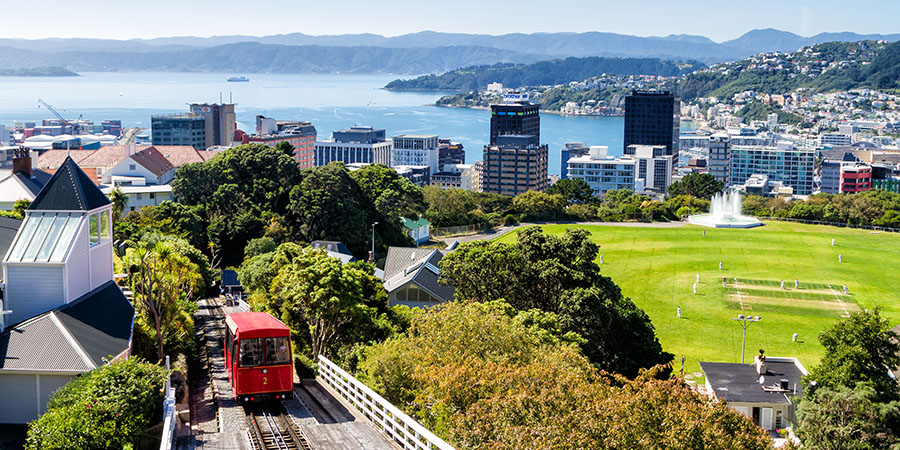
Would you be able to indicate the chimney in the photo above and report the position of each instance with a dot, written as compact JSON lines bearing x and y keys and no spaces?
{"x":130,"y":148}
{"x":760,"y":361}
{"x":22,"y":161}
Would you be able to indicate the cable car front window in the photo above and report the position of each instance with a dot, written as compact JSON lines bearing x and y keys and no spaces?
{"x":251,"y":352}
{"x":277,"y":351}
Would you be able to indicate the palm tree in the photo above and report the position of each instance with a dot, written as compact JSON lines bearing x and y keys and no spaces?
{"x":119,"y":201}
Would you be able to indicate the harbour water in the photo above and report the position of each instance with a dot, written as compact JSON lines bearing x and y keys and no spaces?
{"x":330,"y":102}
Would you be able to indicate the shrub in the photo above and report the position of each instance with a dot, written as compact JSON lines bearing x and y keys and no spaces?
{"x":510,"y":219}
{"x":305,"y":367}
{"x":109,"y":407}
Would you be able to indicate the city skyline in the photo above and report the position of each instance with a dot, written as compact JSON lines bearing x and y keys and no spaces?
{"x":95,"y":19}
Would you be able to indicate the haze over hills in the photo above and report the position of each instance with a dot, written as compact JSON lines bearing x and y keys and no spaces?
{"x":437,"y":52}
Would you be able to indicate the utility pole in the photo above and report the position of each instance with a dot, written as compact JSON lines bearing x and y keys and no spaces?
{"x":745,"y":322}
{"x":372,"y":254}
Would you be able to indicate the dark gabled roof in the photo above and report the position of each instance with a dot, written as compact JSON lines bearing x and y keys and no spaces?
{"x":230,"y":278}
{"x":69,"y":189}
{"x":154,"y":161}
{"x":402,"y":268}
{"x":8,"y":229}
{"x":35,"y":182}
{"x":75,"y":337}
{"x":332,"y":246}
{"x":100,"y":321}
{"x":735,"y":382}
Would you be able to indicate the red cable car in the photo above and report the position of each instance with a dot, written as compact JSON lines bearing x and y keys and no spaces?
{"x":258,"y":357}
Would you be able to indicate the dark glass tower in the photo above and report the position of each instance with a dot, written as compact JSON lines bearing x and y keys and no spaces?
{"x":652,"y":118}
{"x":518,"y":118}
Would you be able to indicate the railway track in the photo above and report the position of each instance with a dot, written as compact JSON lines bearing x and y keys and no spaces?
{"x":272,"y":428}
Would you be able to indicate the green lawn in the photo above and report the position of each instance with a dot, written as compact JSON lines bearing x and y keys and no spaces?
{"x":657,"y":268}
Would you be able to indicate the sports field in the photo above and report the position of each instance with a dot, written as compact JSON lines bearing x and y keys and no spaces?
{"x":657,"y":268}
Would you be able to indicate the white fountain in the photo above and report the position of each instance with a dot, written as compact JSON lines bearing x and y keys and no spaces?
{"x":725,"y":212}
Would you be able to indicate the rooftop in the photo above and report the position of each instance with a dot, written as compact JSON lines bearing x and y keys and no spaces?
{"x":740,"y":382}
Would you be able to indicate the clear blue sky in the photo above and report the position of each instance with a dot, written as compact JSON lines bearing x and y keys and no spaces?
{"x":719,"y":20}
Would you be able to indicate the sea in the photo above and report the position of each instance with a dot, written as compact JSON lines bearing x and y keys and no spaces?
{"x":330,"y":102}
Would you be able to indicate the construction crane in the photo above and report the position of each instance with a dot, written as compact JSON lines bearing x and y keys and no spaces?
{"x":76,"y":127}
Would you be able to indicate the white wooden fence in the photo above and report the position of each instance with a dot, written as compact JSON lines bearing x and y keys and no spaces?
{"x":168,"y":431}
{"x":401,"y":428}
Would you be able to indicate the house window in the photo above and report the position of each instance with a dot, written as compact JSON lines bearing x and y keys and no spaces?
{"x":152,"y":195}
{"x":94,"y":223}
{"x":132,"y":167}
{"x":104,"y":224}
{"x":139,"y":196}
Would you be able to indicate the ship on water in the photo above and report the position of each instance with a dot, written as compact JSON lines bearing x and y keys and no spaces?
{"x":237,"y":79}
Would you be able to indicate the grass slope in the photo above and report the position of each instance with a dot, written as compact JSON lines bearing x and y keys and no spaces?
{"x":657,"y":268}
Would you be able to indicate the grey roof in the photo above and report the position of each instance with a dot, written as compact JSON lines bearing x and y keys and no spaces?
{"x":406,"y":265}
{"x":75,"y":337}
{"x":333,"y":246}
{"x":8,"y":229}
{"x":230,"y":278}
{"x":35,"y":182}
{"x":69,"y":189}
{"x":740,"y":383}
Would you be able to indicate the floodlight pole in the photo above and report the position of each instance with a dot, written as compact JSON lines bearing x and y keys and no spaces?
{"x":373,"y":239}
{"x":745,"y":322}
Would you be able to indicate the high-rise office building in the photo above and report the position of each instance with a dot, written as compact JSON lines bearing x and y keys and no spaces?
{"x":450,"y":153}
{"x":652,"y":118}
{"x":718,"y":159}
{"x":220,"y":122}
{"x":570,"y":150}
{"x":514,"y":166}
{"x":516,"y":116}
{"x":179,"y":129}
{"x":354,"y":145}
{"x":785,"y":163}
{"x":415,"y":150}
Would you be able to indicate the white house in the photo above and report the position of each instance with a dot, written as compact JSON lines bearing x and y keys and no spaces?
{"x":140,"y":196}
{"x":149,"y":164}
{"x":62,"y":314}
{"x":418,"y":230}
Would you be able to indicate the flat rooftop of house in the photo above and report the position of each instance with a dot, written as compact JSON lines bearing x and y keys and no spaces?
{"x":740,"y":383}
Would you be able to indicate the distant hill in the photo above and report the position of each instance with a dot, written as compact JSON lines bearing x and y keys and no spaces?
{"x":38,"y":72}
{"x":771,"y":40}
{"x":543,"y":73}
{"x":832,"y":66}
{"x":249,"y":57}
{"x":507,"y":47}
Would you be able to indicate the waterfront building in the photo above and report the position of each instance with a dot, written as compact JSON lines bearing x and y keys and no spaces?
{"x":785,"y":162}
{"x":416,"y":150}
{"x":516,"y":116}
{"x":450,"y":153}
{"x":653,"y":118}
{"x":856,"y":178}
{"x":570,"y":150}
{"x":219,"y":123}
{"x":653,"y":167}
{"x":718,"y":160}
{"x":603,"y":172}
{"x":354,"y":145}
{"x":461,"y":176}
{"x":179,"y":129}
{"x":514,"y":166}
{"x":834,"y":140}
{"x":301,"y":135}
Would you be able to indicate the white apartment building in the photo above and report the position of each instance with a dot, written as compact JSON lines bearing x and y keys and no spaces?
{"x":653,"y":168}
{"x":603,"y":172}
{"x":416,"y":150}
{"x":834,"y":139}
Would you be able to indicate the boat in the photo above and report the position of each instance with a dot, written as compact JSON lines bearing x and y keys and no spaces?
{"x":237,"y":79}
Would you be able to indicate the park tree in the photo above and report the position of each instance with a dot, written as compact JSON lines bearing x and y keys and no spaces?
{"x":482,"y":376}
{"x":162,"y":281}
{"x":700,"y":185}
{"x":559,"y":274}
{"x":287,"y":148}
{"x":859,"y":349}
{"x":110,"y":407}
{"x":540,"y":205}
{"x":392,"y":195}
{"x":574,"y":190}
{"x":848,"y":418}
{"x":168,"y":218}
{"x":449,"y":207}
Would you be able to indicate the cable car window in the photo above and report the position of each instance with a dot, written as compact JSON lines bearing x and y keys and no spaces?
{"x":277,"y":351}
{"x":251,"y":352}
